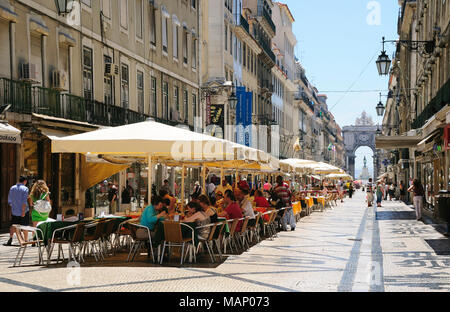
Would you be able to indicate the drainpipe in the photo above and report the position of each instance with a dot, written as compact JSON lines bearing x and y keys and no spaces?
{"x":12,"y":49}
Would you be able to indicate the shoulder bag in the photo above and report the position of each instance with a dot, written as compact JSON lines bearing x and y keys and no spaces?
{"x":42,"y":205}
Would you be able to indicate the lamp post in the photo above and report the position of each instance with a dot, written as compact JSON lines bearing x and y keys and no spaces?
{"x":380,"y":108}
{"x":64,"y":6}
{"x":383,"y":62}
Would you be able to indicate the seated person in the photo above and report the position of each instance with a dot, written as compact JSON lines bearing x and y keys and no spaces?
{"x":232,"y":210}
{"x":219,"y":202}
{"x":241,"y":194}
{"x":208,"y":208}
{"x":171,"y":205}
{"x":200,"y":218}
{"x":153,"y":213}
{"x":260,"y":200}
{"x":261,"y":204}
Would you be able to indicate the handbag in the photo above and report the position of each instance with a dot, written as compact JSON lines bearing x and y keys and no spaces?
{"x":42,"y":205}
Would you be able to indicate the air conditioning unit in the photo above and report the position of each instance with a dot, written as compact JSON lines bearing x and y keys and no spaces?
{"x":111,"y":69}
{"x":28,"y":72}
{"x":59,"y":80}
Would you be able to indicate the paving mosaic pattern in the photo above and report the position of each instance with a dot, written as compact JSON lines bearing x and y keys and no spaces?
{"x":348,"y":248}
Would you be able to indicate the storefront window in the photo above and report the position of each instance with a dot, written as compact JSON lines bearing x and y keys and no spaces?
{"x":97,"y":196}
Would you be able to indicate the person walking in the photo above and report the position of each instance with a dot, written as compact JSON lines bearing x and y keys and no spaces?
{"x":417,"y":189}
{"x":391,"y":191}
{"x":39,"y":191}
{"x":380,"y":193}
{"x":402,"y":191}
{"x":350,"y":189}
{"x":340,"y":189}
{"x":17,"y":199}
{"x":369,"y":189}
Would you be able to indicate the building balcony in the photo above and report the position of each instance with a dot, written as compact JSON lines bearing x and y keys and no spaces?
{"x":269,"y":21}
{"x":441,"y":99}
{"x":27,"y":99}
{"x":267,"y":120}
{"x":244,"y":24}
{"x":268,"y":51}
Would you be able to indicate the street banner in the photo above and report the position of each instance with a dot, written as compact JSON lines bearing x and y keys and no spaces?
{"x":243,"y":116}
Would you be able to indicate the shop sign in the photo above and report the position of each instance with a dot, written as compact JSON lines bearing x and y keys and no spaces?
{"x":9,"y":134}
{"x":447,"y":138}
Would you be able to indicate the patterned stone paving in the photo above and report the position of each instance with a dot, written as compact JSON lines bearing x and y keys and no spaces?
{"x":348,"y":248}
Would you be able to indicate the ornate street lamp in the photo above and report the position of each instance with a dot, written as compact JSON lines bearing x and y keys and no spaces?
{"x":383,"y":63}
{"x":380,"y":108}
{"x":232,"y":100}
{"x":64,"y":6}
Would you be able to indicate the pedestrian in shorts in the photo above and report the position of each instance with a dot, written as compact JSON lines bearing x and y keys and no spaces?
{"x":18,"y":200}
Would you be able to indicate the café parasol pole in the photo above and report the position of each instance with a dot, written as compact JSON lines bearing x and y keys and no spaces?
{"x":149,"y":178}
{"x":183,"y":170}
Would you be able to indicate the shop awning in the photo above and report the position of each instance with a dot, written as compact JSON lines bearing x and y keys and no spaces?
{"x":9,"y":134}
{"x":421,"y":146}
{"x":396,"y":141}
{"x":53,"y":134}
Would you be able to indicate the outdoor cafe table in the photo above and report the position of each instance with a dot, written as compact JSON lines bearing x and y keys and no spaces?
{"x":49,"y":227}
{"x":297,"y":207}
{"x":309,"y":201}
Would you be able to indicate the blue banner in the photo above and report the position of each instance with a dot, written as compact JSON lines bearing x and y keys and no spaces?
{"x":243,"y":116}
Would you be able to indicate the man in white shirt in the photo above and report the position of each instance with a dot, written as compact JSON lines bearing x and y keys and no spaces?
{"x":241,"y":193}
{"x":211,"y":188}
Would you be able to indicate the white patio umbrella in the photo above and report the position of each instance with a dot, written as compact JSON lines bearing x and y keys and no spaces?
{"x":148,"y":140}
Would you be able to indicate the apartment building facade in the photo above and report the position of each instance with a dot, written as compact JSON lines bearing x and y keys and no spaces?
{"x":416,"y":122}
{"x":106,"y":63}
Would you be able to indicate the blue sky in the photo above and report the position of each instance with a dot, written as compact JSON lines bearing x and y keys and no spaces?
{"x":336,"y":43}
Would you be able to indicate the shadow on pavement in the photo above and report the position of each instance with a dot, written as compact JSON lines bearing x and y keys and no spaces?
{"x":396,"y":215}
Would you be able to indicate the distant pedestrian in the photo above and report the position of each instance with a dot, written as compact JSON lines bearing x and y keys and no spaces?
{"x":197,"y":191}
{"x":369,"y":188}
{"x":112,"y":198}
{"x":391,"y":191}
{"x":402,"y":191}
{"x":350,"y":189}
{"x":417,"y":189}
{"x":380,"y":193}
{"x":340,"y":189}
{"x":17,"y":199}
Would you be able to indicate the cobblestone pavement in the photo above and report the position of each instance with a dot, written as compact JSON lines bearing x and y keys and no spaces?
{"x":348,"y":248}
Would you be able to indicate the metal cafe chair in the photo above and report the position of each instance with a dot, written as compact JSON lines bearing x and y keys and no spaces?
{"x":139,"y":241}
{"x":19,"y":229}
{"x":173,"y":238}
{"x":229,"y":240}
{"x":241,"y":236}
{"x":253,"y":230}
{"x":58,"y":238}
{"x":94,"y":240}
{"x":209,"y":241}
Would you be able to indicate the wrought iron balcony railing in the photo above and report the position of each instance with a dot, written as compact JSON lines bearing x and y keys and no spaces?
{"x":26,"y":99}
{"x":441,"y":99}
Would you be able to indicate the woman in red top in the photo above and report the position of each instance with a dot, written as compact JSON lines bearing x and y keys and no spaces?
{"x":232,"y":210}
{"x":261,"y":204}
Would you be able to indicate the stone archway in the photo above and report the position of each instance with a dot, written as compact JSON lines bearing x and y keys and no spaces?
{"x":361,"y":134}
